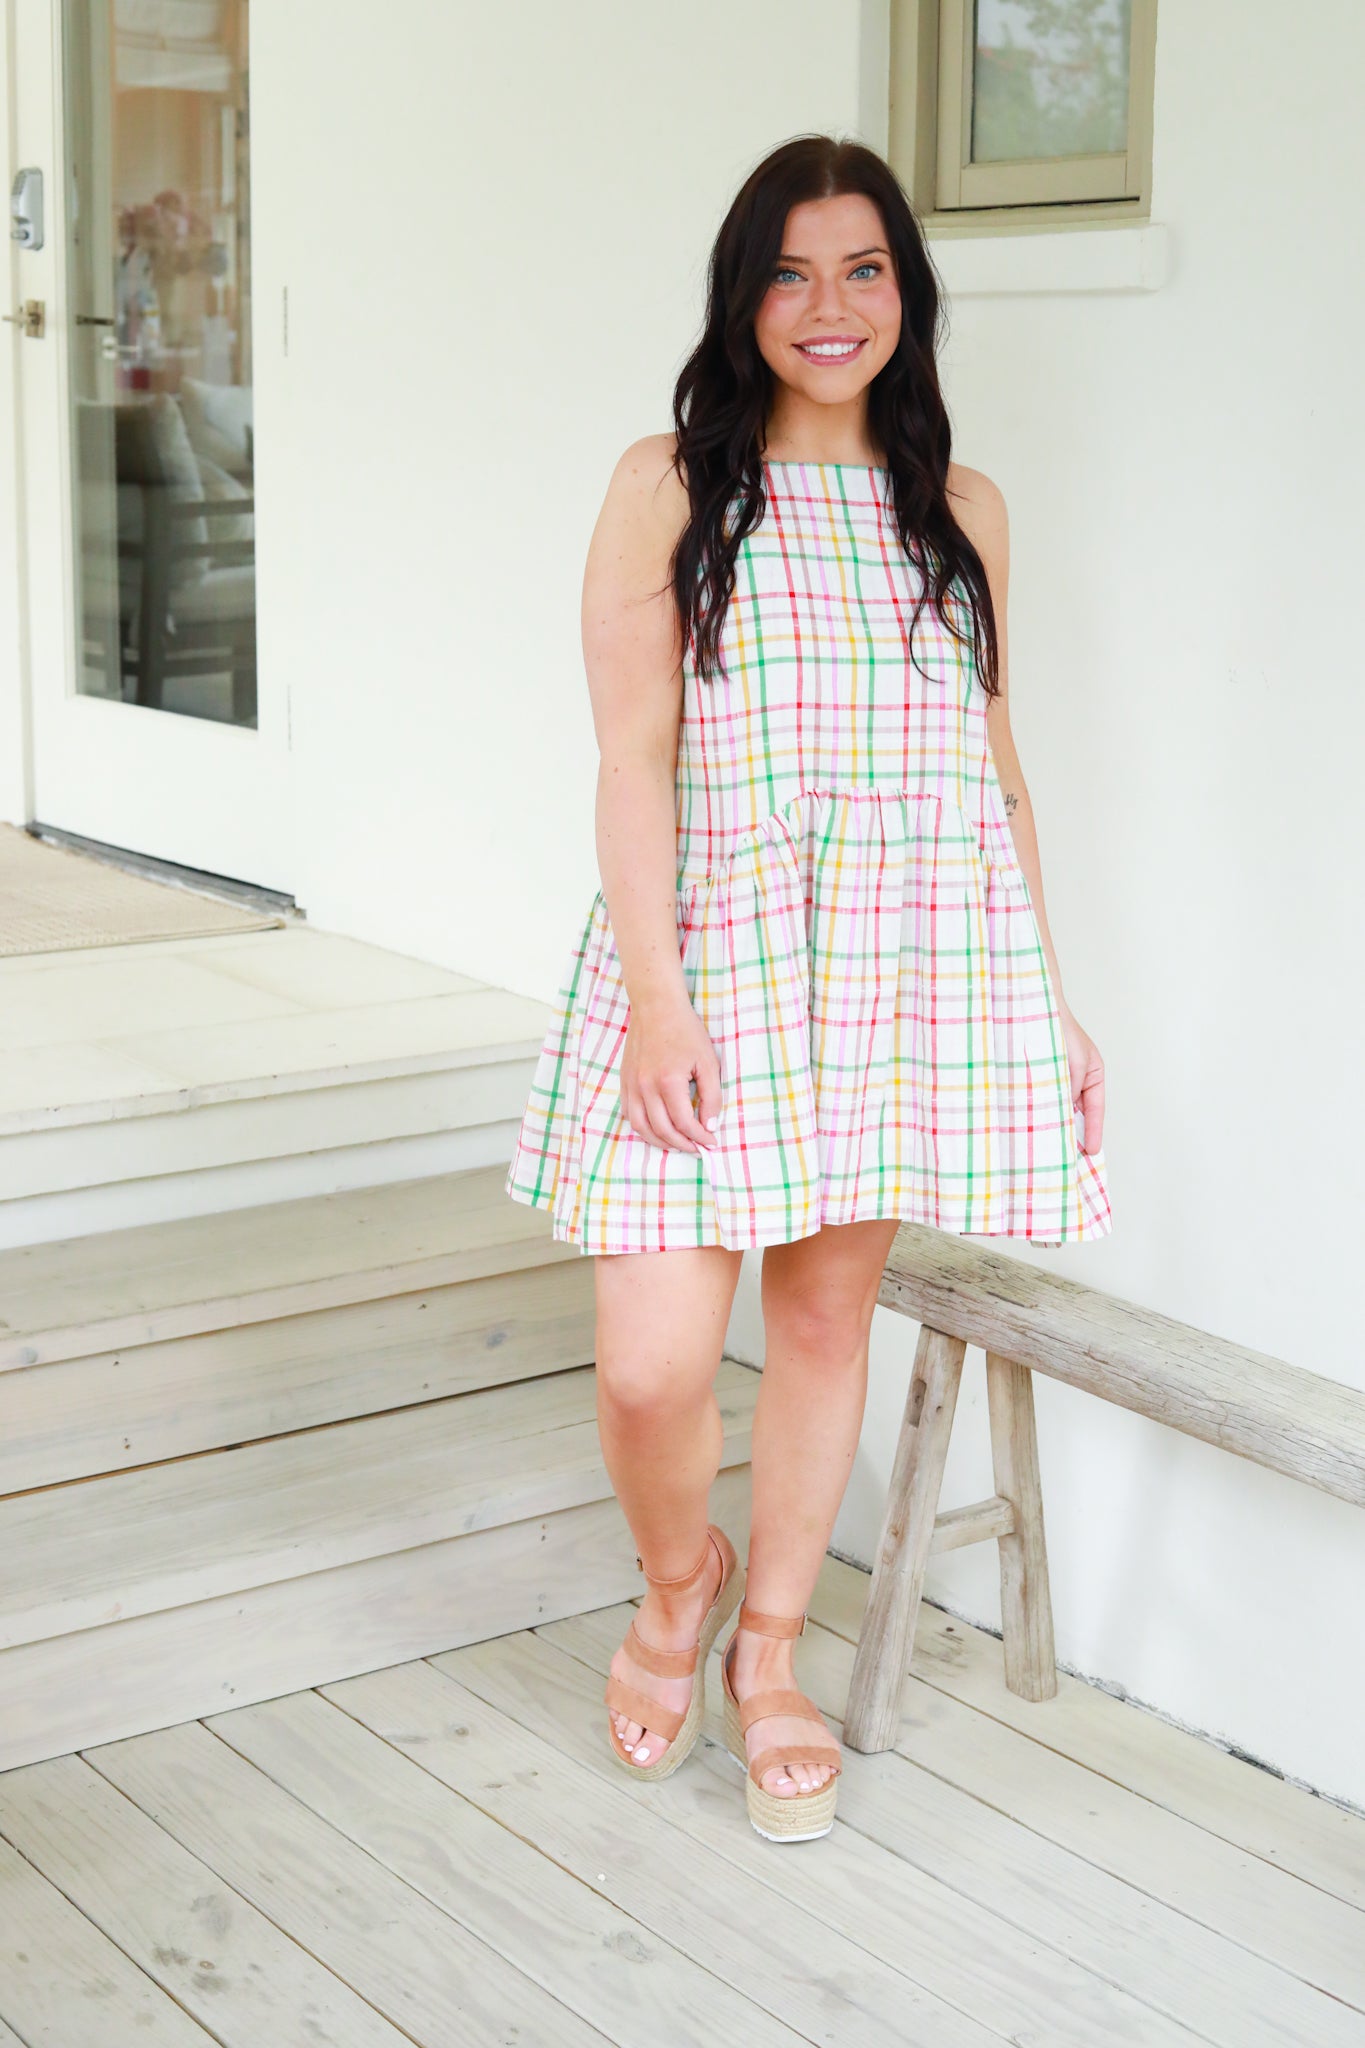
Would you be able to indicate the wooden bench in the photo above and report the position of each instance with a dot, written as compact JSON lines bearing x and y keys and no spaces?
{"x":1029,"y":1320}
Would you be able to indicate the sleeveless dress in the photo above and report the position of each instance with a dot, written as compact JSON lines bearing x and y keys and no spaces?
{"x":855,"y":931}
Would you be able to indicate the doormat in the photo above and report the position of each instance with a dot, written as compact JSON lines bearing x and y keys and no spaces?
{"x":52,"y":899}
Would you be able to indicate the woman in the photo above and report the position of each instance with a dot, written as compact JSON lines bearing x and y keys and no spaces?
{"x":821,"y":907}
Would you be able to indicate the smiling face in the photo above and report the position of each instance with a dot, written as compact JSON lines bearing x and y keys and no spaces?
{"x":830,"y":318}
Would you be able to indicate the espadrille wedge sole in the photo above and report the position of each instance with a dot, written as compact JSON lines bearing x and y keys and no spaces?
{"x":801,"y":1816}
{"x":679,"y":1728}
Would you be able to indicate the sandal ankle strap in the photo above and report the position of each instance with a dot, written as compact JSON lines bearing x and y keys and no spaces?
{"x":770,"y":1624}
{"x":685,"y":1578}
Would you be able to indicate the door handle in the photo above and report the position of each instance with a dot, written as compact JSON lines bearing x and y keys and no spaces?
{"x":31,"y":318}
{"x":108,"y":342}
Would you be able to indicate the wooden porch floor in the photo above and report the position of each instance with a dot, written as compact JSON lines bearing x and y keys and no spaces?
{"x":444,"y":1853}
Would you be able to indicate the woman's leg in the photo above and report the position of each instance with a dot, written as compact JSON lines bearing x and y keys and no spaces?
{"x":661,"y":1322}
{"x":818,"y":1298}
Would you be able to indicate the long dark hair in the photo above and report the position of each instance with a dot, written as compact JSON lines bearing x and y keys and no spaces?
{"x":724,"y":393}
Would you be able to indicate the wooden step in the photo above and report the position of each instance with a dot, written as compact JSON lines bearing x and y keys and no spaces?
{"x":158,"y":1341}
{"x":135,"y":1404}
{"x":245,"y":1453}
{"x":242,"y":1452}
{"x":196,"y":1527}
{"x":235,"y":1154}
{"x":136,"y":1599}
{"x":154,"y":1281}
{"x":71,"y":1692}
{"x":141,"y":1084}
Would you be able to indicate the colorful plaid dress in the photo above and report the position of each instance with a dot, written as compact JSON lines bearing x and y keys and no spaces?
{"x":856,"y":934}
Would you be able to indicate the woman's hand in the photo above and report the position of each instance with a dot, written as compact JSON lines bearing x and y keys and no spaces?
{"x":1087,"y":1079}
{"x":665,"y":1048}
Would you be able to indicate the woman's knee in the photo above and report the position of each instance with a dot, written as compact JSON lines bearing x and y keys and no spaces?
{"x":818,"y":1327}
{"x":819,"y":1298}
{"x":661,"y":1322}
{"x":651,"y":1385}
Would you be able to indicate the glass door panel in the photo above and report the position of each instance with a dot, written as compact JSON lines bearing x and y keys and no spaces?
{"x":158,"y":224}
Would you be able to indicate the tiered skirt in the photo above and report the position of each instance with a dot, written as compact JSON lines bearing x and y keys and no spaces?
{"x":870,"y":971}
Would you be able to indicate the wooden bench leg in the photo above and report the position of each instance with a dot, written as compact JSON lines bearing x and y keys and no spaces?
{"x":887,"y":1636}
{"x":1025,"y":1602}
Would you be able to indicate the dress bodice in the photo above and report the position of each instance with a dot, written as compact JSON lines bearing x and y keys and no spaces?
{"x":819,"y":691}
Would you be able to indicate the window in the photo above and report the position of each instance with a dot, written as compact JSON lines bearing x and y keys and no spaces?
{"x":1011,"y":113}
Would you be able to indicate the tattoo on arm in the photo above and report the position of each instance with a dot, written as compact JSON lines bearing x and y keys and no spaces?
{"x":1011,"y":802}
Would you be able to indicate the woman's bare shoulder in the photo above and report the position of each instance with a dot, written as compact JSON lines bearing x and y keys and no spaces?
{"x":976,"y":500}
{"x":978,"y":505}
{"x":646,"y":488}
{"x":642,"y":516}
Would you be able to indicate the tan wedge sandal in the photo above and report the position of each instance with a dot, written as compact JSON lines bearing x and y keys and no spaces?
{"x":679,"y":1727}
{"x":800,"y":1816}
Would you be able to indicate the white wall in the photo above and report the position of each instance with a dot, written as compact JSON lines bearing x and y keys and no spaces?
{"x":493,"y":228}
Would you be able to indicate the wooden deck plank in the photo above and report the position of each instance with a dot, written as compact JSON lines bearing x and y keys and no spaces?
{"x":1269,"y":1911}
{"x":63,"y":1981}
{"x":1040,"y":1893}
{"x":425,"y":1971}
{"x":599,"y":1960}
{"x":523,"y":1830}
{"x":1253,"y":1810}
{"x":634,"y":1852}
{"x":903,"y":1918}
{"x":227,"y":1964}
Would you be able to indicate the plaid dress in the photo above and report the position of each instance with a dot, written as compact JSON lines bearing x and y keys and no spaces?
{"x":856,"y":934}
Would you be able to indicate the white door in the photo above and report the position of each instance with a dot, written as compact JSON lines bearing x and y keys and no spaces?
{"x":154,"y":725}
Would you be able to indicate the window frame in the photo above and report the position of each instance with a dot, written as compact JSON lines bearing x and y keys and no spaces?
{"x":932,"y":48}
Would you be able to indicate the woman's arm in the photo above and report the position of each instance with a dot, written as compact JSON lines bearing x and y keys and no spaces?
{"x":979,"y":508}
{"x":633,"y":656}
